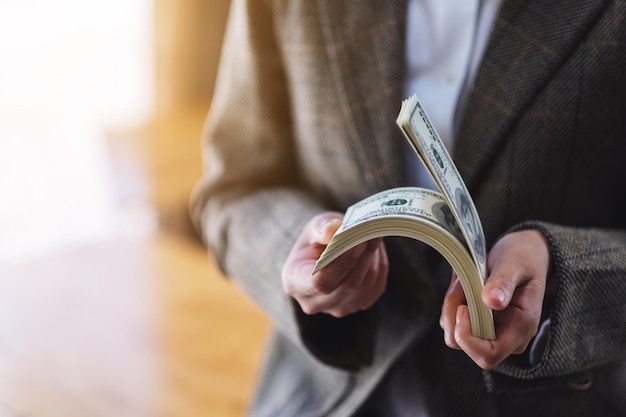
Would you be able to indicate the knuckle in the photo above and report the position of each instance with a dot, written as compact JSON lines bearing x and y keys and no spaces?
{"x":449,"y":342}
{"x":340,"y":312}
{"x":320,"y":286}
{"x":487,"y":362}
{"x":310,"y":308}
{"x":287,"y":274}
{"x":288,"y":286}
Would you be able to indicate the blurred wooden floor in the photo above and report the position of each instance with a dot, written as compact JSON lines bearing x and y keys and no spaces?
{"x":126,"y":328}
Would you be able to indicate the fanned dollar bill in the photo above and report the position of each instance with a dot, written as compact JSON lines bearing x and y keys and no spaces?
{"x":447,"y":221}
{"x":424,"y":139}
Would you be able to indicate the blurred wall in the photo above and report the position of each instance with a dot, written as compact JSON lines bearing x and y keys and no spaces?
{"x":188,"y":37}
{"x":159,"y":161}
{"x":70,"y":71}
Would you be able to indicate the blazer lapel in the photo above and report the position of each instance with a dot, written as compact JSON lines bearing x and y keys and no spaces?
{"x":365,"y":45}
{"x":529,"y":41}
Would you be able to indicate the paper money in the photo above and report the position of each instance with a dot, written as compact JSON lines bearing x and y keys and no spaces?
{"x":374,"y":216}
{"x":447,"y":221}
{"x":420,"y":214}
{"x":421,"y":134}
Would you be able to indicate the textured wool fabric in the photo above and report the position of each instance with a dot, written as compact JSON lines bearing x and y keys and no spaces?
{"x":303,"y":121}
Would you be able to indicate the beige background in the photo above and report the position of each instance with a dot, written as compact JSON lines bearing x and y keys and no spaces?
{"x":138,"y":324}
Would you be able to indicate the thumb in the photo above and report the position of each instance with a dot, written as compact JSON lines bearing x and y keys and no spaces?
{"x":324,"y":227}
{"x":498,"y":291}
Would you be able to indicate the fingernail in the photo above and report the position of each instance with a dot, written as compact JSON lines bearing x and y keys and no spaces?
{"x":325,"y":224}
{"x":499,"y":294}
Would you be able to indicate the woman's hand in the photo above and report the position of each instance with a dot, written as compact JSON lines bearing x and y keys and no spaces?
{"x":515,"y":288}
{"x":350,"y":283}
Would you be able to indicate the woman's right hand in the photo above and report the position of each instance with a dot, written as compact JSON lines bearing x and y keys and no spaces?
{"x":352,"y":282}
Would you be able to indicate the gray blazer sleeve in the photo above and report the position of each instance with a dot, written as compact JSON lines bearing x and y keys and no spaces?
{"x":251,"y":204}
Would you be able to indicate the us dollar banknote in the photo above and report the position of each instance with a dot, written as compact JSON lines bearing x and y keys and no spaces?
{"x":447,"y":221}
{"x":419,"y":131}
{"x":427,"y":205}
{"x":421,"y":214}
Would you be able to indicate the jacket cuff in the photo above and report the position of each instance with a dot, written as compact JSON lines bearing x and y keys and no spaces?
{"x":346,"y":342}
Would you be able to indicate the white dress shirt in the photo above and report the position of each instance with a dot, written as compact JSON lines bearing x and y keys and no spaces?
{"x":445,"y":43}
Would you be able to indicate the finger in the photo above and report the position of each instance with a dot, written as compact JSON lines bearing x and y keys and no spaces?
{"x":497,"y":295}
{"x":365,"y":260}
{"x":331,"y":286}
{"x":500,"y":286}
{"x":519,"y":289}
{"x":453,"y":299}
{"x":518,"y":259}
{"x":374,"y":279}
{"x":323,"y":227}
{"x":512,"y":339}
{"x":484,"y":353}
{"x":298,"y":266}
{"x":360,"y":287}
{"x":329,"y":278}
{"x":309,"y":246}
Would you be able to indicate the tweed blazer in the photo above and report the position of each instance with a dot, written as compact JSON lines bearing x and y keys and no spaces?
{"x":303,"y":121}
